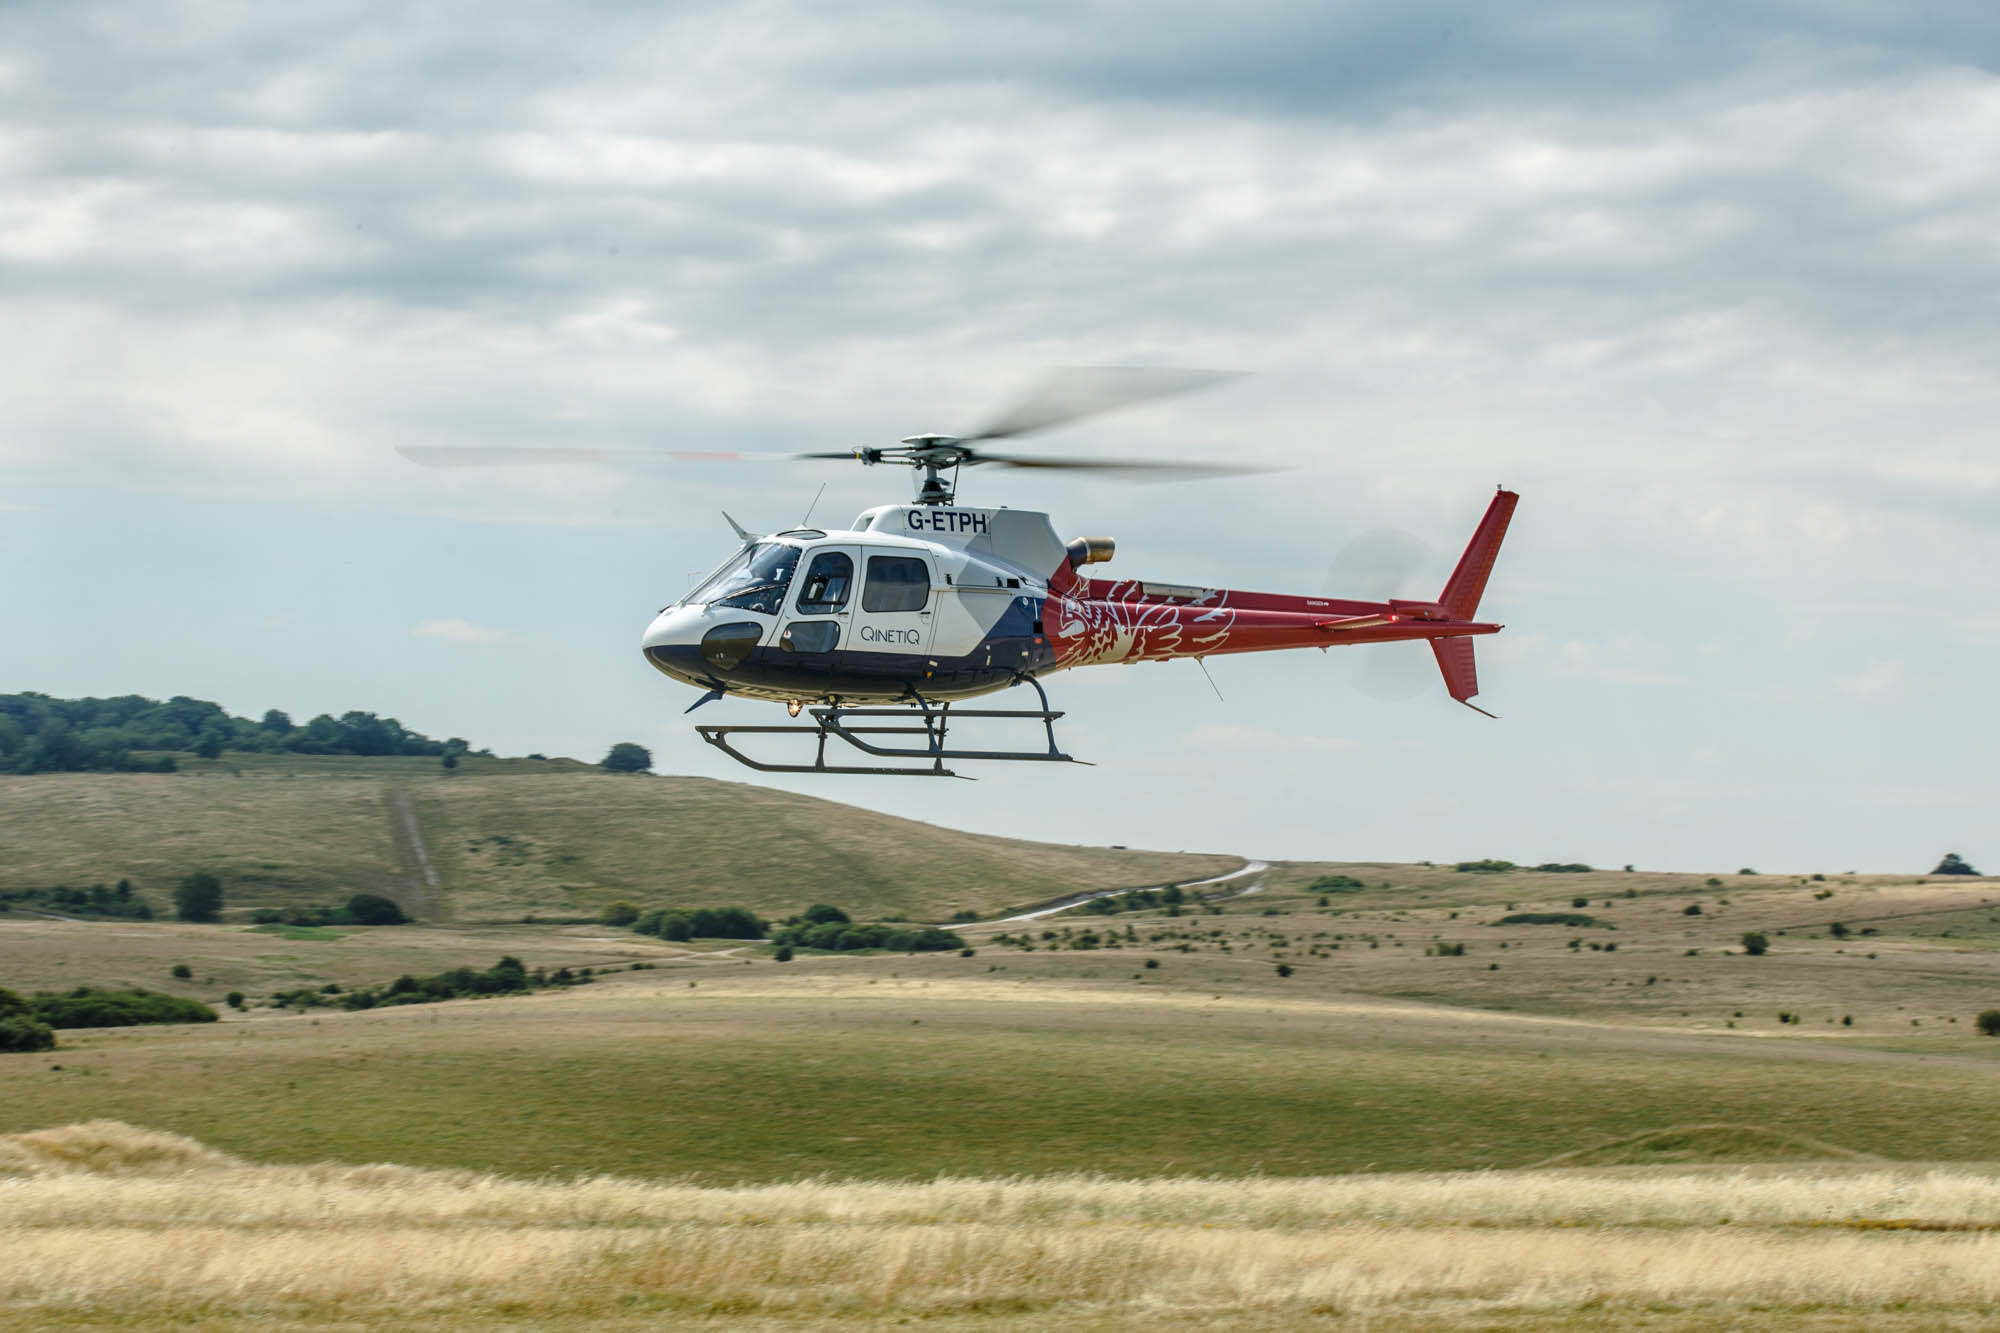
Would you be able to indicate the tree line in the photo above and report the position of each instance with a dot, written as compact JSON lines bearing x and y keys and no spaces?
{"x":40,"y":734}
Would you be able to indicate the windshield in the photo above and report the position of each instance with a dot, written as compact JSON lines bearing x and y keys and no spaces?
{"x":755,"y":580}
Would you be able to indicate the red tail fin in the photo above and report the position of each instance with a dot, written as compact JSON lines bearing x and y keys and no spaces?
{"x":1461,"y":677}
{"x":1460,"y":597}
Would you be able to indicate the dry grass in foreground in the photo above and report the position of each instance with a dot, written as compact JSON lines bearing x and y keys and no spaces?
{"x":106,"y":1225}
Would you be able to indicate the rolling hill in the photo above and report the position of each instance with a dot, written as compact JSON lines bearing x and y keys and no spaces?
{"x":501,"y":838}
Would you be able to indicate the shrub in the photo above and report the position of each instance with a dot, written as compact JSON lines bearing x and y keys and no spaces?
{"x":1579,"y":902}
{"x":1329,"y":884}
{"x":86,"y":1007}
{"x":1755,"y":942}
{"x":1284,"y":969}
{"x":1953,"y":864}
{"x":182,"y":972}
{"x":1152,"y":962}
{"x":620,"y":913}
{"x":372,"y":909}
{"x":677,"y":928}
{"x":1451,"y":950}
{"x":726,"y":923}
{"x":1566,"y":868}
{"x":1548,"y":919}
{"x":1988,"y":1022}
{"x":1486,"y":867}
{"x":821,"y":913}
{"x":1839,"y":930}
{"x":234,"y":999}
{"x":20,"y":1032}
{"x":1692,"y":909}
{"x":1746,"y":870}
{"x":784,"y":953}
{"x":198,"y":897}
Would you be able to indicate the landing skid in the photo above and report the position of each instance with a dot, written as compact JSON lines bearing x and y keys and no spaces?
{"x":933,"y":722}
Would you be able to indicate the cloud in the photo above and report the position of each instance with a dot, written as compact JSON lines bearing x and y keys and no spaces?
{"x":1881,"y":678}
{"x":455,"y":630}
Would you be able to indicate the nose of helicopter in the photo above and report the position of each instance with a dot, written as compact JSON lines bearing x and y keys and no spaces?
{"x":672,"y":643}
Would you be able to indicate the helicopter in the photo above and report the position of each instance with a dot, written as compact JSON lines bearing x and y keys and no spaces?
{"x":877,"y":630}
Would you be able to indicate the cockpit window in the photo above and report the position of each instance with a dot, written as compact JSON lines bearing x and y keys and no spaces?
{"x":825,"y":587}
{"x":754,"y":581}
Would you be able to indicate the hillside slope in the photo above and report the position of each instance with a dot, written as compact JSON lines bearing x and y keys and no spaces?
{"x":507,"y":837}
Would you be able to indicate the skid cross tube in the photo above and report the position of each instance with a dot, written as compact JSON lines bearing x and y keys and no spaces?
{"x":933,"y":723}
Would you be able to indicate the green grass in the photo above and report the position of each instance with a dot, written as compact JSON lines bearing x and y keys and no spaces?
{"x":287,"y":932}
{"x":969,"y":1074}
{"x":510,"y":837}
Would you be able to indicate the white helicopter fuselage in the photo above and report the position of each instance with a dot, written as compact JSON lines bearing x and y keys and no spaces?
{"x":930,"y":600}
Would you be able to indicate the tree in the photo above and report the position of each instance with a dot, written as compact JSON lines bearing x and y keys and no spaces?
{"x":627,"y":757}
{"x":210,"y":745}
{"x":198,"y":897}
{"x":372,"y":909}
{"x":449,"y":760}
{"x":1755,"y":942}
{"x":1989,"y":1022}
{"x":1953,"y":865}
{"x":620,"y":913}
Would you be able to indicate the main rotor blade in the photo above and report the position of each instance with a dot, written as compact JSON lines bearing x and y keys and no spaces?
{"x":1072,"y":392}
{"x":1139,"y":469}
{"x":481,"y":455}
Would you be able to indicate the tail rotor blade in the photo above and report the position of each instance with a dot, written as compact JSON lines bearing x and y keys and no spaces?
{"x":1375,"y":566}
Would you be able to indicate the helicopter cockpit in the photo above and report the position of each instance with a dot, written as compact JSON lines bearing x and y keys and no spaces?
{"x":754,"y":579}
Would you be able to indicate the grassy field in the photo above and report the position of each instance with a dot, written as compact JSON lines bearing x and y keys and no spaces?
{"x":1161,"y":1047}
{"x":507,"y":837}
{"x":106,"y":1226}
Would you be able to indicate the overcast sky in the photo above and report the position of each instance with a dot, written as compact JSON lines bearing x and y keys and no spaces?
{"x":1713,"y":286}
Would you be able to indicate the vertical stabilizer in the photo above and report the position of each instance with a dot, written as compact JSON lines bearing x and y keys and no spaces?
{"x":1461,"y":594}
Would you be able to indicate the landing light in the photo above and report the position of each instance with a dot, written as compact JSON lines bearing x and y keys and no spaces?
{"x":792,"y":706}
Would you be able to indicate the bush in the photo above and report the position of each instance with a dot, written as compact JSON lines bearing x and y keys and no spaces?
{"x":1566,"y":868}
{"x":198,"y":897}
{"x":20,"y":1032}
{"x":1953,"y":864}
{"x":1755,"y":942}
{"x":821,"y":913}
{"x":1548,"y":919}
{"x":1692,"y":909}
{"x":784,"y":953}
{"x":86,"y":1007}
{"x":1324,"y":884}
{"x":839,"y":937}
{"x":620,"y":913}
{"x":677,"y":928}
{"x":182,"y":972}
{"x":372,"y":909}
{"x":1579,"y":902}
{"x":1839,"y":930}
{"x":1284,"y":969}
{"x":234,"y":999}
{"x":1486,"y":867}
{"x":1988,"y":1022}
